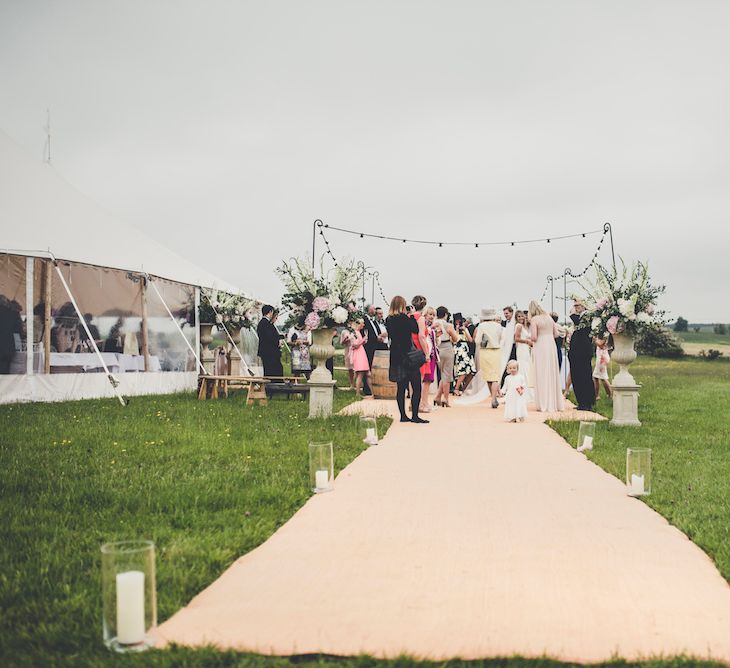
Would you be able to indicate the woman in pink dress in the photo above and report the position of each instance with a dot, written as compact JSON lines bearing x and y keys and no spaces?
{"x":358,"y":356}
{"x":429,"y":375}
{"x":543,"y":331}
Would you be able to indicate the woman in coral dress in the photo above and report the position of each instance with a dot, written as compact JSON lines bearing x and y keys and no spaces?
{"x":543,"y":331}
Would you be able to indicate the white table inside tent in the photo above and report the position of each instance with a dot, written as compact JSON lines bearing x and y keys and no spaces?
{"x":89,"y":362}
{"x":82,"y":362}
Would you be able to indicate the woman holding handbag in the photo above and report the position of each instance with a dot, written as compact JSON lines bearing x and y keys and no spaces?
{"x":405,"y":358}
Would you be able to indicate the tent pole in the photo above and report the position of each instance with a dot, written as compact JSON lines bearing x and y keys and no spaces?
{"x":197,"y":319}
{"x":29,"y":322}
{"x":112,"y":379}
{"x":145,"y":332}
{"x":172,"y":317}
{"x":47,"y":283}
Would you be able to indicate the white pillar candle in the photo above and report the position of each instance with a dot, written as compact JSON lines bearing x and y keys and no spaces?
{"x":588,"y":442}
{"x":130,"y":607}
{"x":321,"y":479}
{"x":637,"y":484}
{"x":370,"y":436}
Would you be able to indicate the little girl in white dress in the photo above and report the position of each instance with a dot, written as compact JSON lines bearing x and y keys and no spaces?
{"x":514,"y":391}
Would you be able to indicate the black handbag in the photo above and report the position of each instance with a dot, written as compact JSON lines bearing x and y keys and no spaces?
{"x":415,"y":358}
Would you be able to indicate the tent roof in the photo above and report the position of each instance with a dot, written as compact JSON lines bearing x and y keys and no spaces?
{"x":40,"y":211}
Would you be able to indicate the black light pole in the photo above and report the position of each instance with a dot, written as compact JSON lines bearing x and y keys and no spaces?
{"x":607,"y":228}
{"x":372,"y":299}
{"x":552,"y":293}
{"x":361,"y":265}
{"x":315,"y":224}
{"x":567,"y":271}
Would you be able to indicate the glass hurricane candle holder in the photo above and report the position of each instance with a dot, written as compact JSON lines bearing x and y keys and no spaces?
{"x":369,"y":430}
{"x":638,"y":471}
{"x":129,"y":596}
{"x":321,"y":467}
{"x":586,"y":432}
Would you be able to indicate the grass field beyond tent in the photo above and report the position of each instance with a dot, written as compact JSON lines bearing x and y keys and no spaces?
{"x":209,"y":481}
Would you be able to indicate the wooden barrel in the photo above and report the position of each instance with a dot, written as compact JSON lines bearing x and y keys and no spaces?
{"x":382,"y":387}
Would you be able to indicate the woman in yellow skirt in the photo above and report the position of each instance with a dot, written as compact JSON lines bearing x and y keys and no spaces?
{"x":488,"y":339}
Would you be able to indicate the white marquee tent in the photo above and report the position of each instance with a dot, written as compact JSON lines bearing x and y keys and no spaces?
{"x":102,"y":262}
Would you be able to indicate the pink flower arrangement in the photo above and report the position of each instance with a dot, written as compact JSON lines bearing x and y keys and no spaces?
{"x":312,"y":320}
{"x":601,"y":303}
{"x":612,"y":324}
{"x":321,"y":304}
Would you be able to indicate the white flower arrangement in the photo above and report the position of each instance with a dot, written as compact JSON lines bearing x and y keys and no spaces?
{"x":317,"y":302}
{"x":622,"y":304}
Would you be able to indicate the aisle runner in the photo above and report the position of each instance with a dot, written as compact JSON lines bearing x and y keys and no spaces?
{"x":470,"y":538}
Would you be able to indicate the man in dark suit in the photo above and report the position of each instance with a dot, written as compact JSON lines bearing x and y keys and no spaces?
{"x":509,"y":325}
{"x":269,"y":343}
{"x":375,"y":338}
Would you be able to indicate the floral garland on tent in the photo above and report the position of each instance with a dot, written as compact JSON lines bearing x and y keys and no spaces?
{"x":317,"y":302}
{"x":622,"y":304}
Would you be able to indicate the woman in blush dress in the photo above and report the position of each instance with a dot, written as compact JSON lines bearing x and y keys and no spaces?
{"x":359,"y":357}
{"x":543,"y":331}
{"x":523,"y":344}
{"x":446,"y":337}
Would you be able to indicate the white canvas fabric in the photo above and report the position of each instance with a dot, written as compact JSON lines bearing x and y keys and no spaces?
{"x":40,"y":211}
{"x":72,"y":386}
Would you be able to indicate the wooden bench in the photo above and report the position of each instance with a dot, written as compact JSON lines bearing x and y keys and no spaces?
{"x":289,"y":386}
{"x":258,"y":387}
{"x":220,"y":384}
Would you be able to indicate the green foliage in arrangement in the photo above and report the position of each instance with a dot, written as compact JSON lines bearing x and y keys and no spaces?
{"x":685,"y":414}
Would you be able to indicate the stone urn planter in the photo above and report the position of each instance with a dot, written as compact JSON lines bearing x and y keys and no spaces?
{"x":320,"y":351}
{"x":623,"y":354}
{"x":206,"y":338}
{"x":625,"y":389}
{"x":321,"y":392}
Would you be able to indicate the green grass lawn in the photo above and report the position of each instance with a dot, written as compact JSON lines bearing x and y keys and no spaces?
{"x":684,"y":408}
{"x":209,"y":481}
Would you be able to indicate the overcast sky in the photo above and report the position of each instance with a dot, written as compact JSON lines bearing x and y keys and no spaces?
{"x":225,"y":128}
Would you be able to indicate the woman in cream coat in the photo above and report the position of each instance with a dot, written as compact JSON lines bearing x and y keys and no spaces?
{"x":488,"y":339}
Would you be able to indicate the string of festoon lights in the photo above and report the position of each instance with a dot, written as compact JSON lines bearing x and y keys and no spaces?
{"x":476,"y":244}
{"x":366,"y":274}
{"x":605,"y":231}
